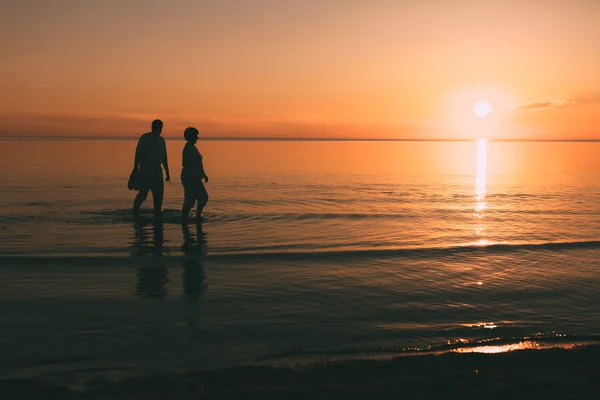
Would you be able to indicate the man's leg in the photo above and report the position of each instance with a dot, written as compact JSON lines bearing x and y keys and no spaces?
{"x":140,"y":197}
{"x":158,"y":191}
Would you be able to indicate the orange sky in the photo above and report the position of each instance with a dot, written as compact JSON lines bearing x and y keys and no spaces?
{"x":309,"y":68}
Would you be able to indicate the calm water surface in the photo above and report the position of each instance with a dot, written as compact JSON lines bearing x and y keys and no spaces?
{"x":308,"y":249}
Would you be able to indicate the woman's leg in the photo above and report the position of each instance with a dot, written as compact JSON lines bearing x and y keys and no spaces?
{"x":189,"y":198}
{"x":202,"y":200}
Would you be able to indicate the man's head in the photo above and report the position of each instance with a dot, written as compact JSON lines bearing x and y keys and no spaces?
{"x":157,"y":126}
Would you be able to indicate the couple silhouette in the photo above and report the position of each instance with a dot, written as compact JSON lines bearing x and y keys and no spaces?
{"x":147,"y":174}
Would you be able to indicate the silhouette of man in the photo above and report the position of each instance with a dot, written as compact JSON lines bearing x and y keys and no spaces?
{"x":150,"y":154}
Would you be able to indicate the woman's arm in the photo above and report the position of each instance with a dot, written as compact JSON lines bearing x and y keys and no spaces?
{"x":202,"y":173}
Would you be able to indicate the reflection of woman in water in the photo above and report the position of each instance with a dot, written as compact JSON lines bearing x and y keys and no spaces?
{"x":193,"y":276}
{"x":192,"y":174}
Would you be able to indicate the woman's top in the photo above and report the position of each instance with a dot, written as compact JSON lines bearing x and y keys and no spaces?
{"x":192,"y":170}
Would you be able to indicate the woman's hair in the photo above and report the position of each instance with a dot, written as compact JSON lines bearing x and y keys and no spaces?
{"x":190,"y":133}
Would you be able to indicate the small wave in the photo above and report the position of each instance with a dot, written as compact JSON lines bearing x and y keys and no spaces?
{"x":422,"y":252}
{"x":538,"y":341}
{"x":17,"y":219}
{"x":38,"y":203}
{"x":168,"y":216}
{"x":126,"y":213}
{"x":173,"y":216}
{"x":265,"y":254}
{"x":270,"y":217}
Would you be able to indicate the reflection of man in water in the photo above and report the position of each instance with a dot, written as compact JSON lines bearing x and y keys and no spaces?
{"x":152,"y":273}
{"x":150,"y":154}
{"x":193,"y":271}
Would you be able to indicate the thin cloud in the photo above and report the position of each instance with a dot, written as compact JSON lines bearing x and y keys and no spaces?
{"x":130,"y":125}
{"x":71,"y":124}
{"x":546,"y":104}
{"x":554,"y":102}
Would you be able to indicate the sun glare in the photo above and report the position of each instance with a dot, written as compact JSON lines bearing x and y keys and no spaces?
{"x":475,"y":111}
{"x":482,"y":108}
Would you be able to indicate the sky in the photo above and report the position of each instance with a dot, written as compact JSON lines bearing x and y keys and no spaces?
{"x":301,"y":68}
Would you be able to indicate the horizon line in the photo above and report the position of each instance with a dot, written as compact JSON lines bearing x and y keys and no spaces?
{"x":291,"y":139}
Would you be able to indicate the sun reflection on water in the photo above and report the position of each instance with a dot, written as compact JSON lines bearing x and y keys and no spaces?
{"x":480,"y":191}
{"x":524,"y":345}
{"x":481,"y":167}
{"x":499,"y":348}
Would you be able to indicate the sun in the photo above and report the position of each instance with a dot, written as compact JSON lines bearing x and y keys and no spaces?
{"x":476,"y":111}
{"x":482,"y":108}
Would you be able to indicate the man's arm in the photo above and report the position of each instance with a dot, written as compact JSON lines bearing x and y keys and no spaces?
{"x":136,"y":163}
{"x":136,"y":160}
{"x":165,"y":162}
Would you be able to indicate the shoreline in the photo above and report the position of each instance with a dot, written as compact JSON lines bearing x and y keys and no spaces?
{"x":549,"y":373}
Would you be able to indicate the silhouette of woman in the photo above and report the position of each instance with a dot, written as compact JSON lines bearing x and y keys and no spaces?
{"x":192,"y":174}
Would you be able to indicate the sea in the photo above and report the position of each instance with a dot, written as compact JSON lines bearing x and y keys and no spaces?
{"x":307,"y":251}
